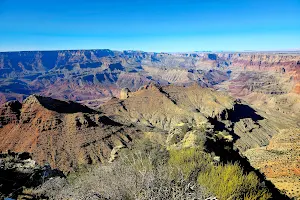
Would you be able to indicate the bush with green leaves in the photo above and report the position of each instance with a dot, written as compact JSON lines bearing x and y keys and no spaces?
{"x":142,"y":173}
{"x":229,"y":182}
{"x":150,"y":171}
{"x":226,"y":181}
{"x":189,"y":160}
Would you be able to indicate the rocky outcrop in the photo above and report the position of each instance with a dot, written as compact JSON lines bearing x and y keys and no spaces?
{"x":124,"y":94}
{"x":165,"y":107}
{"x":56,"y":105}
{"x":65,"y":134}
{"x":19,"y":171}
{"x":10,"y":113}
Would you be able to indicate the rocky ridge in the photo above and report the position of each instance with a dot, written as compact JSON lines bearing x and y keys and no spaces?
{"x":65,"y":134}
{"x":163,"y":108}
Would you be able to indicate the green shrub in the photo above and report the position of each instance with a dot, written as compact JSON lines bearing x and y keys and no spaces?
{"x":189,"y":160}
{"x":133,"y":176}
{"x":229,"y":182}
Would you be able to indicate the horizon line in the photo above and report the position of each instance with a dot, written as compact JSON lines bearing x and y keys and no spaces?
{"x":172,"y":52}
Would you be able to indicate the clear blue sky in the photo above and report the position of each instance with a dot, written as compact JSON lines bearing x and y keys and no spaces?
{"x":152,"y":25}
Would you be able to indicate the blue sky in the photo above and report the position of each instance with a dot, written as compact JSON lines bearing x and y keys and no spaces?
{"x":157,"y":25}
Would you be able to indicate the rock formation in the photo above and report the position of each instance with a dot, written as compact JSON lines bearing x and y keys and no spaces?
{"x":64,"y":134}
{"x":18,"y":170}
{"x":164,"y":108}
{"x":124,"y":94}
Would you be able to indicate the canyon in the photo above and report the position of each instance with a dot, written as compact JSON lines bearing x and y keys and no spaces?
{"x":94,"y":76}
{"x":82,"y":107}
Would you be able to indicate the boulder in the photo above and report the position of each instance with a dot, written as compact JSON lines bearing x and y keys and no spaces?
{"x":124,"y":94}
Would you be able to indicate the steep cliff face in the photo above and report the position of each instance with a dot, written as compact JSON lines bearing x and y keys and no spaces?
{"x":269,"y":73}
{"x":10,"y":113}
{"x":278,"y":62}
{"x":14,"y":63}
{"x":285,"y":67}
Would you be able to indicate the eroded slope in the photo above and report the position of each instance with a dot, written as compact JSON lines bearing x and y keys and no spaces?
{"x":166,"y":107}
{"x":65,"y":134}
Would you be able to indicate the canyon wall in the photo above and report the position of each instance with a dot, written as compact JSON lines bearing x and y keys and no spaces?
{"x":94,"y":76}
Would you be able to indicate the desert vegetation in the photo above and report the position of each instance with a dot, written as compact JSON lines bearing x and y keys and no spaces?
{"x":153,"y":171}
{"x":142,"y":173}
